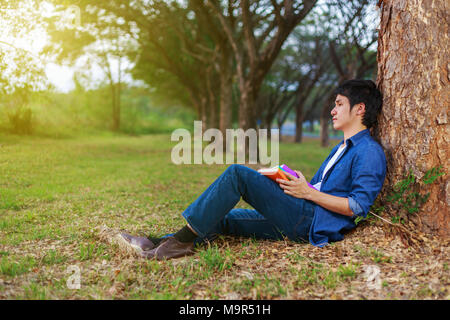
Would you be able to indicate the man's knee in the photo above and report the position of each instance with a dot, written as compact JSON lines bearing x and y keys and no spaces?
{"x":234,"y":168}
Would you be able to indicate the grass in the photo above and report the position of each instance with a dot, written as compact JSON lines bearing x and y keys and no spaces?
{"x":15,"y":266}
{"x":213,"y":259}
{"x":374,"y":254}
{"x":57,"y":193}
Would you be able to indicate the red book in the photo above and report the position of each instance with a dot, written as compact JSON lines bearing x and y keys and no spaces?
{"x":274,"y":173}
{"x":278,"y":172}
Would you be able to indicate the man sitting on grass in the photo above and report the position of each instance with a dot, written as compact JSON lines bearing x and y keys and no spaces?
{"x":346,"y":185}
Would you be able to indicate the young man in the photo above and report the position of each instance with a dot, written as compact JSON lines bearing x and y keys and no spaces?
{"x":346,"y":185}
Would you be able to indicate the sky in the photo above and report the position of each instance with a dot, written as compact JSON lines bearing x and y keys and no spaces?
{"x":61,"y":77}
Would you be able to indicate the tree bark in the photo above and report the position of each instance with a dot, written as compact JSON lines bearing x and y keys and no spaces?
{"x":212,"y":112}
{"x":252,"y":55}
{"x":299,"y":122}
{"x":115,"y":107}
{"x":247,"y":103}
{"x":268,"y":124}
{"x":325,"y":120}
{"x":204,"y":111}
{"x":226,"y":95}
{"x":413,"y":76}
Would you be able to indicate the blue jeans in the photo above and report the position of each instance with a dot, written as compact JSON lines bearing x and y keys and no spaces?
{"x":277,"y":214}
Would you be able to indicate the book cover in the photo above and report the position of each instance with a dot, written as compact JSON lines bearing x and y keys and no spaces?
{"x":292,"y":172}
{"x":277,"y":172}
{"x":274,"y":173}
{"x":289,"y":170}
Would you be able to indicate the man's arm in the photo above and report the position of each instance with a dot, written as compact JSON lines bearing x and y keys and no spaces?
{"x":332,"y":203}
{"x":298,"y":188}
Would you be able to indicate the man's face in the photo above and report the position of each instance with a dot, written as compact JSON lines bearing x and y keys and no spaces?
{"x":342,"y":116}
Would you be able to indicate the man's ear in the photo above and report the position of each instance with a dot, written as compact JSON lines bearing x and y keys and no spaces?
{"x":361,"y":109}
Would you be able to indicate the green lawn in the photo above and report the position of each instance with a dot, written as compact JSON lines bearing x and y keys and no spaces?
{"x":57,"y":194}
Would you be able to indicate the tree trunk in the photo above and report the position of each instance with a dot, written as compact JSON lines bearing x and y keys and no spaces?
{"x":413,"y":76}
{"x":325,"y":119}
{"x":226,"y":97}
{"x":324,"y":136}
{"x":115,"y":107}
{"x":118,"y":106}
{"x":203,"y":112}
{"x":299,"y":122}
{"x":212,"y":112}
{"x":268,"y":124}
{"x":247,"y":107}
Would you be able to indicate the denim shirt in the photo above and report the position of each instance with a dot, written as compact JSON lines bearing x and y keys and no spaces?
{"x":358,"y":174}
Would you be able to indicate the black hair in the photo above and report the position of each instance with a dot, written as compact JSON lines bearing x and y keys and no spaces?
{"x":363,"y":91}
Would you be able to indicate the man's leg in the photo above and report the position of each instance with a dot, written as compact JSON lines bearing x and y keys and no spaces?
{"x":241,"y":223}
{"x":246,"y":223}
{"x":290,"y":215}
{"x":281,"y":210}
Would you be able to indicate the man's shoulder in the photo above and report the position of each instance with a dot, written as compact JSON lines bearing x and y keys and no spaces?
{"x":367,"y":141}
{"x":369,"y":148}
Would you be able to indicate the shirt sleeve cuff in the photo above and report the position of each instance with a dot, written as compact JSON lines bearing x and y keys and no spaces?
{"x":355,"y":207}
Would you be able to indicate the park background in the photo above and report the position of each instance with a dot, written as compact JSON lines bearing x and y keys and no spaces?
{"x":90,"y":92}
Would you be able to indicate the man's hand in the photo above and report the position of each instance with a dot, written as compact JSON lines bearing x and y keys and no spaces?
{"x":297,"y":187}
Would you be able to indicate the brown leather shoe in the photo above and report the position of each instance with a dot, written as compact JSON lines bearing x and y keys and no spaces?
{"x":139,"y":244}
{"x":170,"y":248}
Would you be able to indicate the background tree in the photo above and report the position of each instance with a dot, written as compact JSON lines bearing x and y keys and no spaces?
{"x":99,"y":41}
{"x":21,"y":71}
{"x":178,"y":53}
{"x":256,"y":42}
{"x":278,"y":90}
{"x":331,"y":45}
{"x":351,"y":37}
{"x":413,"y":76}
{"x":311,"y":63}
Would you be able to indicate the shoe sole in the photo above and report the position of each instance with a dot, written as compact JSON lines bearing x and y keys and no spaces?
{"x":126,"y":246}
